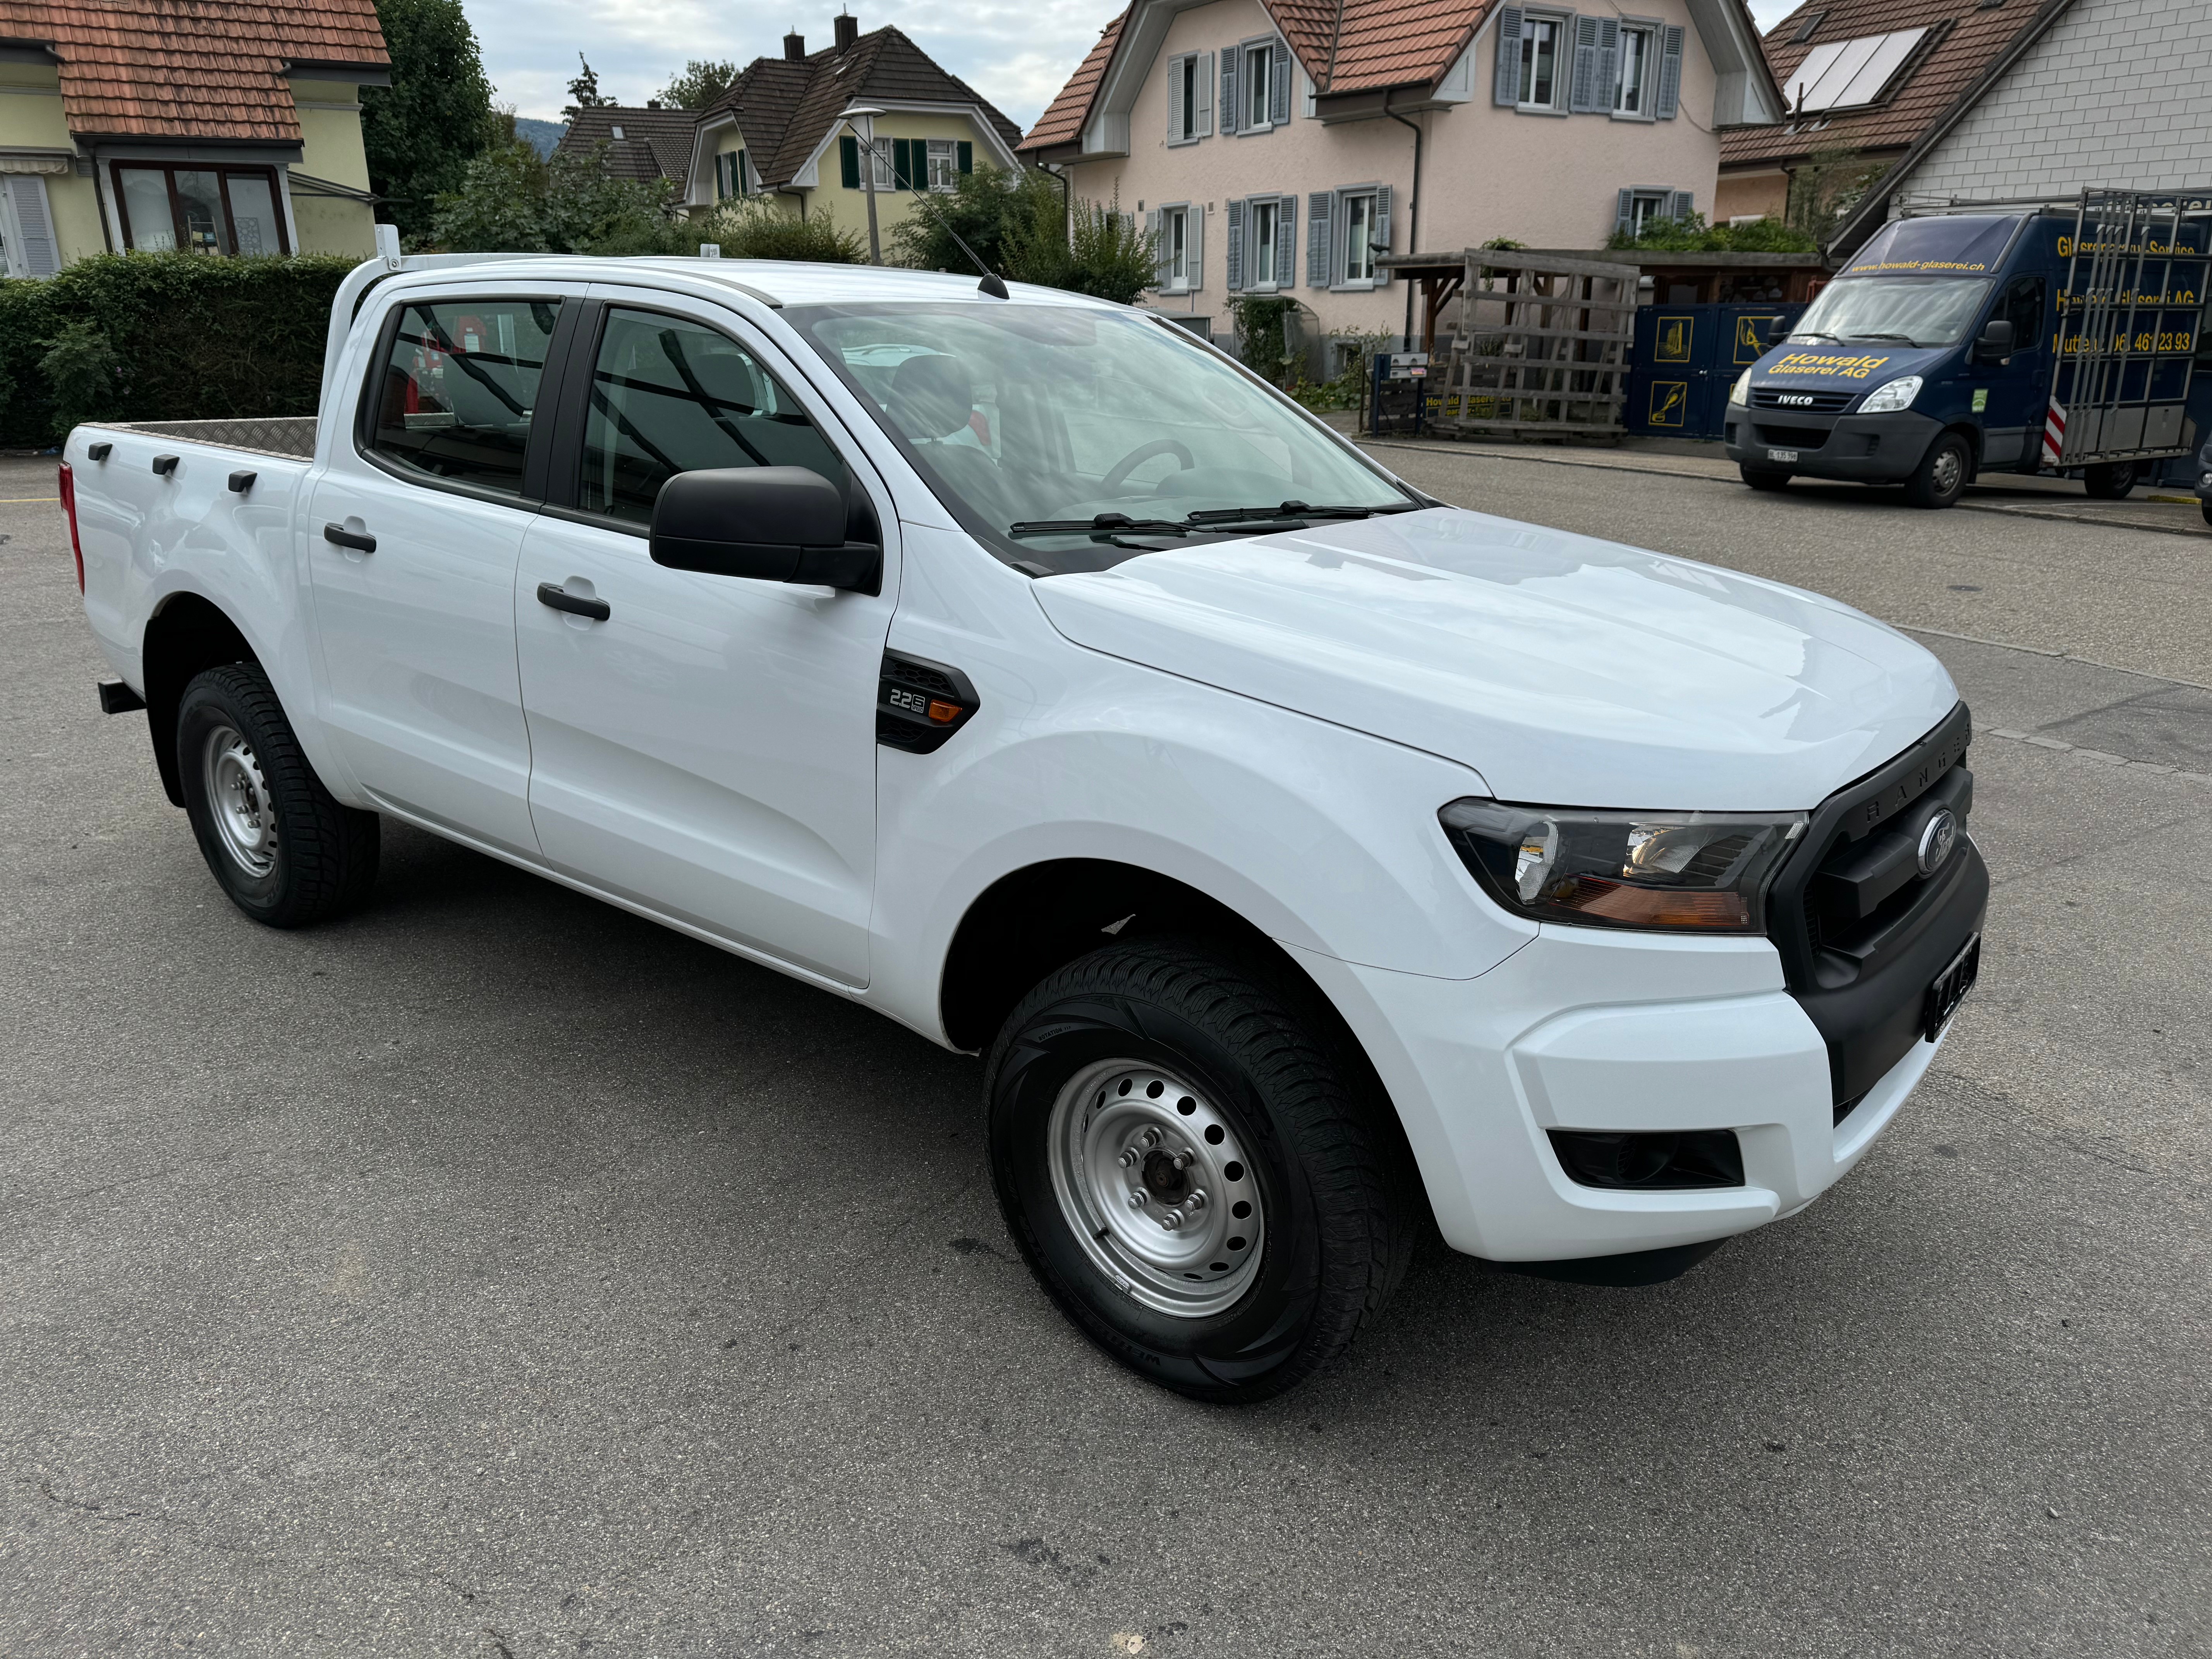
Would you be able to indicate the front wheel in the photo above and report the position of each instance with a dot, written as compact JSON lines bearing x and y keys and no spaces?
{"x":1195,"y":1172}
{"x":2109,"y":481}
{"x":281,"y":847}
{"x":1759,"y":478}
{"x":1941,"y":477}
{"x":2206,"y":503}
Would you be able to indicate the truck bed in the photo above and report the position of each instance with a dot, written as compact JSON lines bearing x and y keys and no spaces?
{"x":292,"y":435}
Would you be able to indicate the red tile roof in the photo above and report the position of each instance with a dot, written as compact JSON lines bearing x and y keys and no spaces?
{"x":1063,"y":118}
{"x":195,"y":69}
{"x":1347,"y":46}
{"x":1968,"y":38}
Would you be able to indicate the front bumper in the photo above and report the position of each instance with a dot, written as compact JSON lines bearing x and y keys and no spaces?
{"x":1857,"y":448}
{"x":1583,"y":1030}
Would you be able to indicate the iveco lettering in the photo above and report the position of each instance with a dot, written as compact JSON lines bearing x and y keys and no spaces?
{"x":1306,"y":862}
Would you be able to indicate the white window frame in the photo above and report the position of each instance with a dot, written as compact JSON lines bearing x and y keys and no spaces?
{"x":946,"y":178}
{"x":881,"y":149}
{"x":1175,"y":236}
{"x":1191,"y":90}
{"x":1654,"y":33}
{"x":1563,"y":62}
{"x":1646,"y":204}
{"x":1254,"y":242}
{"x":1264,"y":50}
{"x":1340,"y":239}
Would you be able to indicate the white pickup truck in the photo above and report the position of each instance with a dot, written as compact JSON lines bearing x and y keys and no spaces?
{"x":1311,"y":862}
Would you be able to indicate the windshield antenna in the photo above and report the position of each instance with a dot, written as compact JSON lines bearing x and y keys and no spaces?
{"x":990,"y":284}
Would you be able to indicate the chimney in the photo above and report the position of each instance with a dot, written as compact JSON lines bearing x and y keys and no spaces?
{"x":795,"y":47}
{"x":652,"y":103}
{"x":849,"y":31}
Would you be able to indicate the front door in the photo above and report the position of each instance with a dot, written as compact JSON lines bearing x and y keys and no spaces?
{"x":2009,"y":397}
{"x":707,"y":748}
{"x":413,"y":537}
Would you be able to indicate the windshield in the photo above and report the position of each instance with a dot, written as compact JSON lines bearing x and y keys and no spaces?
{"x":1070,"y":440}
{"x":1932,"y":310}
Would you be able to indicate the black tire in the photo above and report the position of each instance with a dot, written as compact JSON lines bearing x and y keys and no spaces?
{"x":1941,"y":477}
{"x":2206,"y":503}
{"x":2109,"y":481}
{"x":320,"y":859}
{"x":1334,"y":1194}
{"x":1759,"y":478}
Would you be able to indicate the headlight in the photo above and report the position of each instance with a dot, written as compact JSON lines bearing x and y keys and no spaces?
{"x":1741,"y":391}
{"x":1704,"y":872}
{"x":1886,"y":400}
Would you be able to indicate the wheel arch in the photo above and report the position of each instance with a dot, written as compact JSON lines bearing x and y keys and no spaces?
{"x":187,"y":635}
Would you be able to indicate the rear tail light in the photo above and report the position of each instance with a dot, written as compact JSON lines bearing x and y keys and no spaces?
{"x":68,"y":481}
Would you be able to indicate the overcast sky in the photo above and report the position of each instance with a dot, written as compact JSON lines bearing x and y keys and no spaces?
{"x":1015,"y":52}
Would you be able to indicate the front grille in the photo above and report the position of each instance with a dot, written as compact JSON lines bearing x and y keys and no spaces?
{"x":1862,"y":933}
{"x":1812,"y":403}
{"x":1792,"y":437}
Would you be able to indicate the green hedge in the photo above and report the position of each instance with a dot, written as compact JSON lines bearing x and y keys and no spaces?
{"x":163,"y":337}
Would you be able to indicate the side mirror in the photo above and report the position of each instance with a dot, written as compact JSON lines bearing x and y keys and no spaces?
{"x":771,"y":523}
{"x":1996,"y":343}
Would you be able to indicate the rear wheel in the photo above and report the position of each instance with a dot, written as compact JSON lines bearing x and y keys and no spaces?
{"x":280,"y":845}
{"x":1759,"y":478}
{"x":1197,"y":1175}
{"x":1941,"y":477}
{"x":2206,"y":503}
{"x":2109,"y":481}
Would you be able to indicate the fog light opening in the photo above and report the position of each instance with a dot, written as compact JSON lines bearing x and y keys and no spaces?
{"x":1644,"y":1162}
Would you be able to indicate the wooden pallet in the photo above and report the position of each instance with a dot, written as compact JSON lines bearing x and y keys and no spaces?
{"x":1540,"y":347}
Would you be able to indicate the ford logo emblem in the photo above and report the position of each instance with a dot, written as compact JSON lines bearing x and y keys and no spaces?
{"x":1937,"y":840}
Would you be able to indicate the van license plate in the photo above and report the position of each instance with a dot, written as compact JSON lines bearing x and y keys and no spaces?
{"x":1781,"y":454}
{"x":1950,"y":989}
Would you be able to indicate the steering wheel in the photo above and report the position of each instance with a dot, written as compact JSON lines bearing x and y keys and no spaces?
{"x":1119,"y":473}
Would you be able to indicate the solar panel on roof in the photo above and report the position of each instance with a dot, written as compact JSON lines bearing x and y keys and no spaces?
{"x":1845,"y":73}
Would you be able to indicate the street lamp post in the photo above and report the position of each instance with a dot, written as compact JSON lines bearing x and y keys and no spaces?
{"x":862,"y":121}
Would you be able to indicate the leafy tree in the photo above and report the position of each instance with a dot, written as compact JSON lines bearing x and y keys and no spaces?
{"x":584,"y":90}
{"x":421,"y":132}
{"x":754,"y":228}
{"x":1827,"y":186}
{"x":1098,"y":250}
{"x":698,"y":83}
{"x":1692,"y":234}
{"x":983,"y":207}
{"x":514,"y":201}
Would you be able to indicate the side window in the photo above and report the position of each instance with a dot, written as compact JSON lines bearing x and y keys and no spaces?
{"x":458,"y":387}
{"x":670,"y":396}
{"x":2023,"y":305}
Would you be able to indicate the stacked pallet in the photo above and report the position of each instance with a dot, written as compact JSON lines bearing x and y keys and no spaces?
{"x":1539,"y":349}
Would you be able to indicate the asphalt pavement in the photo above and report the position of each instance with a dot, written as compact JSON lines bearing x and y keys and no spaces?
{"x":497,"y":1274}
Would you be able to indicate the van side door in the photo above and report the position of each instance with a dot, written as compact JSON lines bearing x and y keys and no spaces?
{"x":2012,"y":394}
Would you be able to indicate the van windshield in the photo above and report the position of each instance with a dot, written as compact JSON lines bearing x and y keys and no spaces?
{"x":1067,"y":438}
{"x":1921,"y":310}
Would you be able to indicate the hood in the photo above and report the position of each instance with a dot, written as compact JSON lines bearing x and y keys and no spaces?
{"x":1566,"y":671}
{"x":1834,"y":365}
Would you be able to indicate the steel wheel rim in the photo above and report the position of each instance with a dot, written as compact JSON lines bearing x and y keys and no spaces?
{"x":1168,"y":1233}
{"x":239,"y":800}
{"x":1949,"y":469}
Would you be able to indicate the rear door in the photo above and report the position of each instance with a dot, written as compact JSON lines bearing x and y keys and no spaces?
{"x":707,"y":747}
{"x":413,"y":537}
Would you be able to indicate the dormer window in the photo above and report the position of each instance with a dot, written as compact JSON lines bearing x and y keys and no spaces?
{"x":617,"y":131}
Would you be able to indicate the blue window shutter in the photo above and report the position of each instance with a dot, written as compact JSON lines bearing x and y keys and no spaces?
{"x":1286,"y":242}
{"x":1506,"y":89}
{"x":1670,"y":75}
{"x":1279,"y":86}
{"x":1582,"y":88}
{"x":1609,"y":63}
{"x":848,"y":162}
{"x":1233,"y":272}
{"x":1624,"y":209}
{"x":1229,"y":60}
{"x":1681,"y":204}
{"x":1319,"y":207}
{"x":1153,"y":225}
{"x":1381,"y":233}
{"x":965,"y":152}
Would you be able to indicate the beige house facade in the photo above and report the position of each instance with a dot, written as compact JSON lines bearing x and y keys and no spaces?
{"x":1281,"y":152}
{"x":110,"y":145}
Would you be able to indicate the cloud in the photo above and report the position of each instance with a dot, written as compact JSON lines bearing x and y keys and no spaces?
{"x":1016,"y":52}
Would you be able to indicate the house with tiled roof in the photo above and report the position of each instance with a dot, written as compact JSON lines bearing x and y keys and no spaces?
{"x":778,"y":133}
{"x":1865,"y":81}
{"x":1281,"y":146}
{"x":208,"y":126}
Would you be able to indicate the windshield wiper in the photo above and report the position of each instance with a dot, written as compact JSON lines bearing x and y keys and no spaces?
{"x":1907,"y":338}
{"x":1287,"y":510}
{"x":1106,"y":524}
{"x":1812,"y":334}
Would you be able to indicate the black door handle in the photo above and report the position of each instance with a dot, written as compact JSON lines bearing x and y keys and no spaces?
{"x":338,"y":534}
{"x":574,"y":603}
